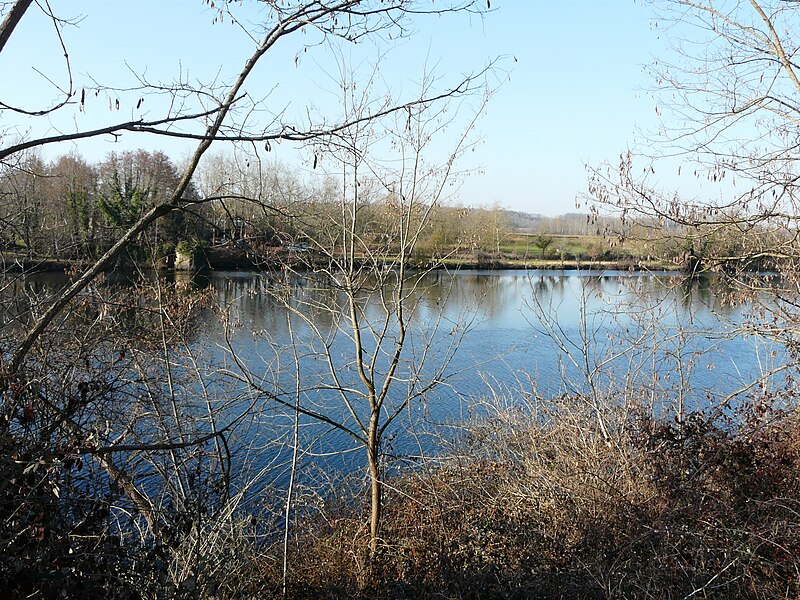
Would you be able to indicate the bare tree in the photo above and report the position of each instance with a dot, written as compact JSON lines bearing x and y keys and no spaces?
{"x":348,"y":20}
{"x":61,"y":381}
{"x":358,"y":308}
{"x":730,"y":104}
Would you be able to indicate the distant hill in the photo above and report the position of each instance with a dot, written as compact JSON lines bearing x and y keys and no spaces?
{"x":566,"y":224}
{"x":523,"y":221}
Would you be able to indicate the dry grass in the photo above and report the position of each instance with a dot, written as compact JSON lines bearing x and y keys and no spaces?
{"x":534,"y":504}
{"x":528,"y":501}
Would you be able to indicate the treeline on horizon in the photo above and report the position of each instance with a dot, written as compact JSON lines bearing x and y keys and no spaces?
{"x":70,"y":208}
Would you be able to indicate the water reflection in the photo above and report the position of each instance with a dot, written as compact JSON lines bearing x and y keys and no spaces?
{"x":668,"y":334}
{"x":505,"y":316}
{"x":499,"y":308}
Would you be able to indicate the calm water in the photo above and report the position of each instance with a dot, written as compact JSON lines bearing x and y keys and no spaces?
{"x":499,"y":318}
{"x":501,"y":334}
{"x":479,"y":334}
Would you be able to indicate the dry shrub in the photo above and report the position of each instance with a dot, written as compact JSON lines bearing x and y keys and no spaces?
{"x":533,"y":503}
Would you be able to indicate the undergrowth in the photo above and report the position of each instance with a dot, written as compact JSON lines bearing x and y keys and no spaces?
{"x":534,"y":503}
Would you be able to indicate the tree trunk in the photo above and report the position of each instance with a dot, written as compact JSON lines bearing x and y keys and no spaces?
{"x":376,"y":488}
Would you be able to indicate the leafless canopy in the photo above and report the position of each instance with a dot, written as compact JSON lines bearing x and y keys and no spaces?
{"x":220,"y":111}
{"x":729,"y":96}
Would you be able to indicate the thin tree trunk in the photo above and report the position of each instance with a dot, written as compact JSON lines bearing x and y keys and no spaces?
{"x":377,"y":486}
{"x":295,"y":446}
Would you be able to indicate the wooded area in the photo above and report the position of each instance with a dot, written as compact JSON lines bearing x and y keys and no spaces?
{"x":69,"y":210}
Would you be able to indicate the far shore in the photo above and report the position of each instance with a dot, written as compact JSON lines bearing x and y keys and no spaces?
{"x":17,"y":264}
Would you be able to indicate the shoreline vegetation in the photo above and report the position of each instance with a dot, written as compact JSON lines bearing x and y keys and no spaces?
{"x":530,"y":501}
{"x":15,"y":264}
{"x":518,"y":252}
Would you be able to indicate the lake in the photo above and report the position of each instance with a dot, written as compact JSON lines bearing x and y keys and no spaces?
{"x":657,"y":341}
{"x":654,"y":340}
{"x":501,"y":315}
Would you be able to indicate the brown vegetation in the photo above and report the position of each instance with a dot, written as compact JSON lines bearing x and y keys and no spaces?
{"x":534,"y":504}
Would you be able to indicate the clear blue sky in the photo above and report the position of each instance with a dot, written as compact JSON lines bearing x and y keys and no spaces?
{"x":574,"y":95}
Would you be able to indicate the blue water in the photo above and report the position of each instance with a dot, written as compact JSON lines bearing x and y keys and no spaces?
{"x":652,"y":342}
{"x":635,"y":338}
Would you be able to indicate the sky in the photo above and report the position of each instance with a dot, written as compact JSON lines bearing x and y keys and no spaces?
{"x":569,"y":87}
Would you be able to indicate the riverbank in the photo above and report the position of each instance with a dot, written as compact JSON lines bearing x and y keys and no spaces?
{"x":216,"y":260}
{"x":533,"y":502}
{"x":560,"y":265}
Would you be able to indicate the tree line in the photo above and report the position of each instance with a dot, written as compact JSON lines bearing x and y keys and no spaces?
{"x":70,"y":208}
{"x":245,"y":211}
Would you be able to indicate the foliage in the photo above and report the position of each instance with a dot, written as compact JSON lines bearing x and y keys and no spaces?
{"x":81,"y":209}
{"x":542,"y":242}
